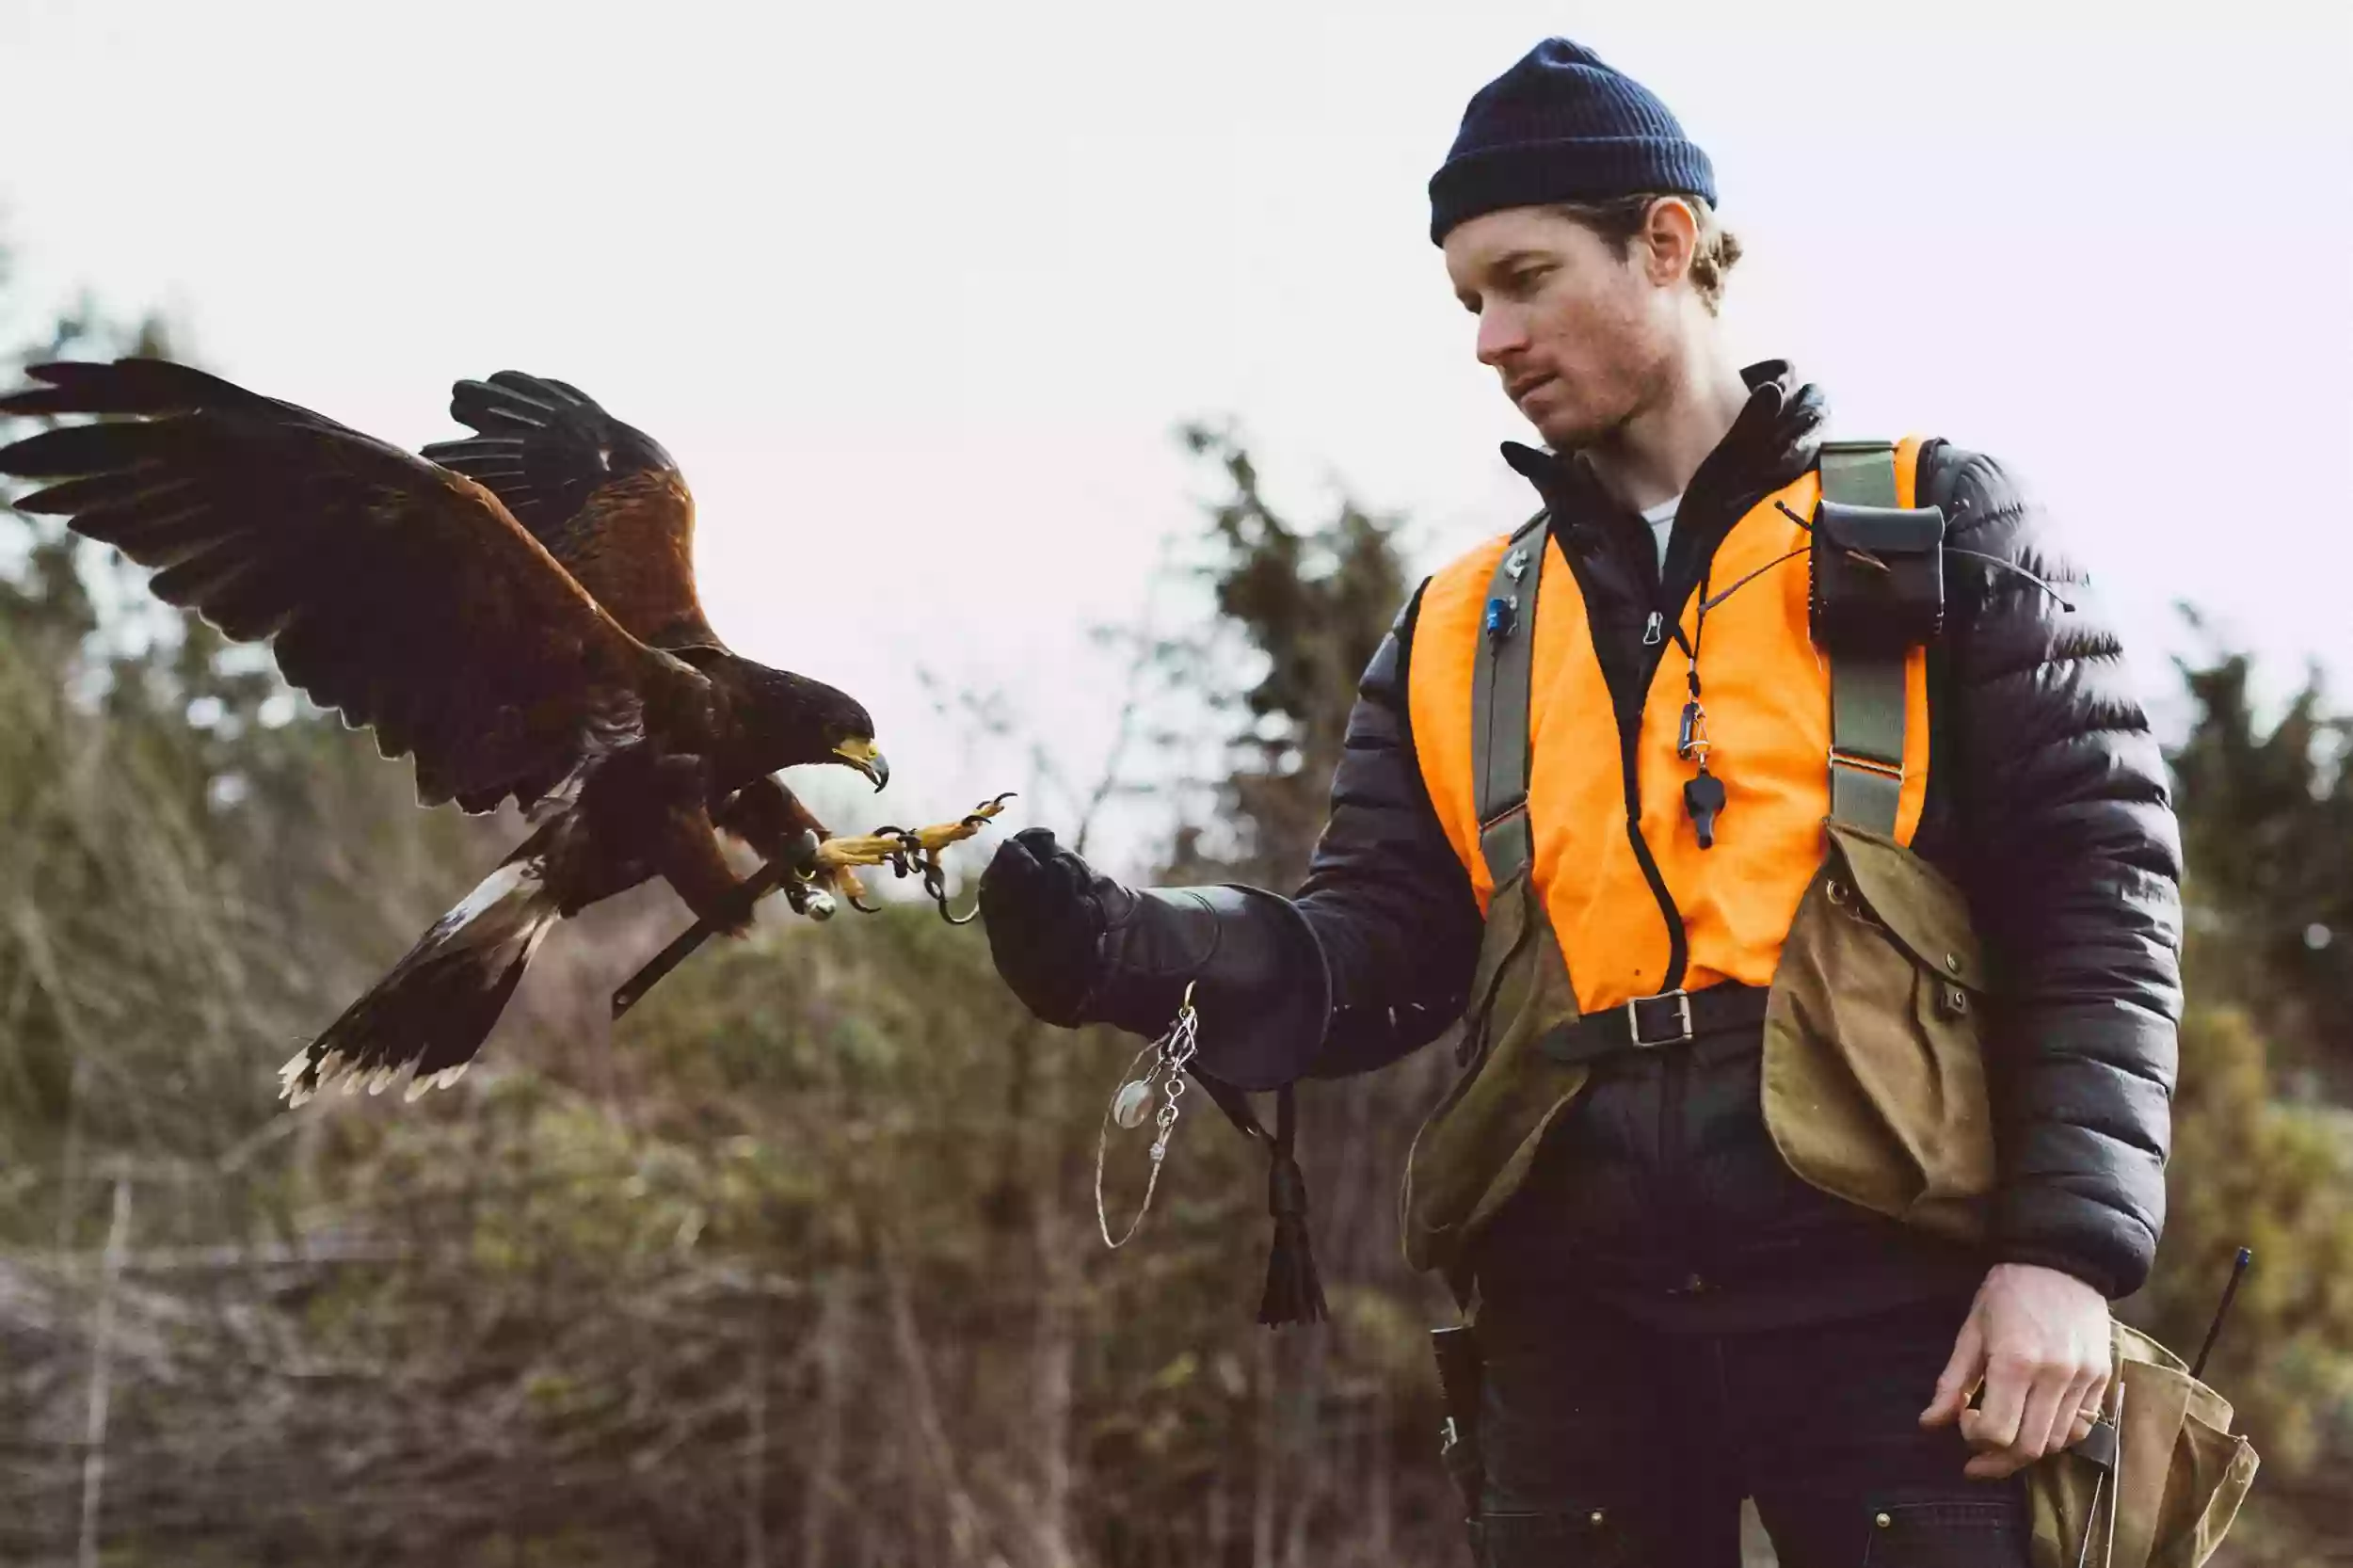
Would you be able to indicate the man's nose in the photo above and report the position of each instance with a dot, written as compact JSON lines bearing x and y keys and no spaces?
{"x":1501,"y":334}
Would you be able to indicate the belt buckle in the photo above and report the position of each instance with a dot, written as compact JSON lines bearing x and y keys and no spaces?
{"x":1634,"y":1019}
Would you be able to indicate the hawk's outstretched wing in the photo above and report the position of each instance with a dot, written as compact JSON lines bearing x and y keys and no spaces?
{"x":602,"y":496}
{"x":395,"y":591}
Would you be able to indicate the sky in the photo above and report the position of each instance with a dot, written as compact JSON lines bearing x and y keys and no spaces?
{"x":918,"y":293}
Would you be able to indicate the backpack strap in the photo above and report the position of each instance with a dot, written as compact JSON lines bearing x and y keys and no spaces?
{"x":1866,"y":689}
{"x":1500,"y":674}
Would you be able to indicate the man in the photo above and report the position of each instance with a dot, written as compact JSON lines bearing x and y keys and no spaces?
{"x":1669,"y":1318}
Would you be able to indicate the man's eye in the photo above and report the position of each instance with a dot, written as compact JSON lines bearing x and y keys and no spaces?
{"x":1525,"y":278}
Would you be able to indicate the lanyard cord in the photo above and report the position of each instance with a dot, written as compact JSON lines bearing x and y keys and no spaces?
{"x":1703,"y":794}
{"x":1698,"y":621}
{"x":1994,"y":561}
{"x":1691,"y":742}
{"x":1691,"y":645}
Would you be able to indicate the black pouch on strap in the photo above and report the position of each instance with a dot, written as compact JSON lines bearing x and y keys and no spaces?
{"x":1877,"y":570}
{"x":1878,"y":577}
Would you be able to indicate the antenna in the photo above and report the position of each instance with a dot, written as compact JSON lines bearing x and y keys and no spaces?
{"x":2238,"y":1271}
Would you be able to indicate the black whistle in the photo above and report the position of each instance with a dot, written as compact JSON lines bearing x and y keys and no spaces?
{"x":1703,"y":799}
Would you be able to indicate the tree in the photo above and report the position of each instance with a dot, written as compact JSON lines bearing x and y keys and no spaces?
{"x":2262,"y":1135}
{"x":1309,"y":606}
{"x":1301,"y":610}
{"x":2267,"y":828}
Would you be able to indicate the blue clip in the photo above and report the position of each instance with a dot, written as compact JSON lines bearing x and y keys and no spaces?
{"x":1502,"y":618}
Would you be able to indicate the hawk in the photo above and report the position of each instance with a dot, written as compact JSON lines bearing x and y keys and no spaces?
{"x":514,"y":609}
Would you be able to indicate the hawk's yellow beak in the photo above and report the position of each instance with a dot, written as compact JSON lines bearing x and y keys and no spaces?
{"x":861,"y":754}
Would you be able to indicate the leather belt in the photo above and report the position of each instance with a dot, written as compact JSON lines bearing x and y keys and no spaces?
{"x":1669,"y":1018}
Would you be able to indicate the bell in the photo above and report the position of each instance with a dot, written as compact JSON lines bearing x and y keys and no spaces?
{"x":1135,"y":1099}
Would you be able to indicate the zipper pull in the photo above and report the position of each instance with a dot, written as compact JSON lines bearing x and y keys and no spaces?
{"x":1654,"y":630}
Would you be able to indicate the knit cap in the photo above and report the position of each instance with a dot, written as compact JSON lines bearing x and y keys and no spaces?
{"x":1562,"y":126}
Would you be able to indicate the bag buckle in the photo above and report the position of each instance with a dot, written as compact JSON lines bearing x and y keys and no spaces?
{"x":1682,"y":1020}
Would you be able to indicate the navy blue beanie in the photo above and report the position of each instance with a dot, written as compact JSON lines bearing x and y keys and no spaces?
{"x":1562,"y":126}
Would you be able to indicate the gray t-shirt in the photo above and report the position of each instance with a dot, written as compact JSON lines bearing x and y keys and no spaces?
{"x":1661,"y":518}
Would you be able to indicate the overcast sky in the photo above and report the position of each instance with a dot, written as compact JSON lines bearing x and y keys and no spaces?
{"x":916,"y":293}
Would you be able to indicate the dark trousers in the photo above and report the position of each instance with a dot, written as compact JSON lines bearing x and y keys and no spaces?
{"x":1606,"y":1441}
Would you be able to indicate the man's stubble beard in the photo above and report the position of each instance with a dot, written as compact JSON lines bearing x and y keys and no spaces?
{"x":1648,"y":385}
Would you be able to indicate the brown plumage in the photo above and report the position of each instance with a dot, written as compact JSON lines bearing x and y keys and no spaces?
{"x":530,"y":633}
{"x":608,"y":502}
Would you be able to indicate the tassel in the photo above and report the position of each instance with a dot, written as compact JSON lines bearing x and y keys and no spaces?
{"x":1294,"y":1292}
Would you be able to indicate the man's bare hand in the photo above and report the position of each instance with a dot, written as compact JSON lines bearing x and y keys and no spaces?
{"x":2036,"y":1340}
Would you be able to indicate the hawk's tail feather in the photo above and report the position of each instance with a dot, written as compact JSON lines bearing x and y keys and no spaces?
{"x":431,"y":1013}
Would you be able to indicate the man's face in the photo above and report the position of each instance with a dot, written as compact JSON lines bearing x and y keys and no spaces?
{"x":1580,"y":335}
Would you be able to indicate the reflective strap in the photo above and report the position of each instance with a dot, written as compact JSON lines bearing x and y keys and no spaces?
{"x":1866,"y":691}
{"x":1859,"y":473}
{"x":1500,"y":672}
{"x":1867,"y":741}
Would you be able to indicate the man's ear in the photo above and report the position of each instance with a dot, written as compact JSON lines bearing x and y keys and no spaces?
{"x":1671,"y":237}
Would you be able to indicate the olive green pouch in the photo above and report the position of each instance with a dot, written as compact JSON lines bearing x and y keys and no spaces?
{"x":1874,"y":1069}
{"x":2179,"y":1477}
{"x":1474,"y":1150}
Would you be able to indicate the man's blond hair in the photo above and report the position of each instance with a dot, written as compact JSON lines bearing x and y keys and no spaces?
{"x":1621,"y":218}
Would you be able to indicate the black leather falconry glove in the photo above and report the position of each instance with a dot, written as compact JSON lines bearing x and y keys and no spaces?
{"x":1045,"y":921}
{"x":1078,"y":947}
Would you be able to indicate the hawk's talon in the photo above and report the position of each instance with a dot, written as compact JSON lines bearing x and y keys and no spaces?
{"x":909,"y":852}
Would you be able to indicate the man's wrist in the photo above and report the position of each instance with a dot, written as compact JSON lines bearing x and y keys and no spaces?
{"x":2057,"y":1262}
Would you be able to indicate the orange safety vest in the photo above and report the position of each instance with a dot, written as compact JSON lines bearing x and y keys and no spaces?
{"x":1768,"y":715}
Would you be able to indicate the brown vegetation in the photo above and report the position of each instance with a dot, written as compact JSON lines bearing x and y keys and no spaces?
{"x":801,"y":1268}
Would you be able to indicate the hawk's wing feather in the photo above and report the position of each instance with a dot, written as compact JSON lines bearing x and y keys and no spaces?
{"x":393,"y":590}
{"x":603,"y":497}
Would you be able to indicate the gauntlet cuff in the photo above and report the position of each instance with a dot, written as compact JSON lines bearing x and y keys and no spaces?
{"x":1260,"y":980}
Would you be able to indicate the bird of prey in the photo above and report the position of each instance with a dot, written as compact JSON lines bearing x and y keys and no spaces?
{"x":516,"y":611}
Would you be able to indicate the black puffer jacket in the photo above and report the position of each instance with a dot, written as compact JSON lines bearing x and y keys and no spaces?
{"x":2047,"y":803}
